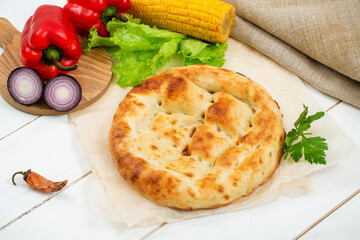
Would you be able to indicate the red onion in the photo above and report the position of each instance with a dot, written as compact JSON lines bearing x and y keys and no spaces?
{"x":62,"y":93}
{"x":25,"y":86}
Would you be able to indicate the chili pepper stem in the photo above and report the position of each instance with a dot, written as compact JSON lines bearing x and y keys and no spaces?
{"x":53,"y":55}
{"x":111,"y":12}
{"x":25,"y":174}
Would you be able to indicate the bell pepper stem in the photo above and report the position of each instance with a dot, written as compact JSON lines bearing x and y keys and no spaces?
{"x":52,"y":56}
{"x":63,"y":68}
{"x":111,"y":12}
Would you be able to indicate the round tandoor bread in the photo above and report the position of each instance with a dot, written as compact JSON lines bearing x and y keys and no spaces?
{"x":197,"y":137}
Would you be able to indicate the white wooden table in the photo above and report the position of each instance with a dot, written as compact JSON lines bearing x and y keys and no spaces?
{"x":49,"y":145}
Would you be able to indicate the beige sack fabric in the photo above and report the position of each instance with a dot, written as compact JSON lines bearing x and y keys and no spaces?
{"x":318,"y":40}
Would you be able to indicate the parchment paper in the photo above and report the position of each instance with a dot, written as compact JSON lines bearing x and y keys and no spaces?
{"x":121,"y":203}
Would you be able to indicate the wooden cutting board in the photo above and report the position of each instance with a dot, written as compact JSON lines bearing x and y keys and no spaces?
{"x":93,"y":72}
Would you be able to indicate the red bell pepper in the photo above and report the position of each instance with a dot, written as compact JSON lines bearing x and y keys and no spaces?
{"x":85,"y":14}
{"x":49,"y":42}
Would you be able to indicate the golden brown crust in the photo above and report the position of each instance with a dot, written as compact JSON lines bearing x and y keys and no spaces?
{"x":197,"y":137}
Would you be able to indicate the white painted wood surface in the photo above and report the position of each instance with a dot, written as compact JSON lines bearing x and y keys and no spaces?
{"x":50,"y":146}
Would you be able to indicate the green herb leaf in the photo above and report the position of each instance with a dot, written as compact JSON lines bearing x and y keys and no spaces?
{"x":296,"y":151}
{"x":302,"y":117}
{"x":313,"y":148}
{"x":291,"y":137}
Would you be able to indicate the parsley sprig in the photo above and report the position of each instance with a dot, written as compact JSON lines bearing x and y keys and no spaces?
{"x":313,"y":148}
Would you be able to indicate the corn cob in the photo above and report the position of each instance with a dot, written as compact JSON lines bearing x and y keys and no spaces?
{"x":210,"y":20}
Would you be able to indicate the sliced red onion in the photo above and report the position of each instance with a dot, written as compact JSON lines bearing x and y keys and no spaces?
{"x":62,"y":93}
{"x":25,"y":86}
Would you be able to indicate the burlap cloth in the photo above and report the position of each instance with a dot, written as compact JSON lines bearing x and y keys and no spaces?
{"x":123,"y":204}
{"x":318,"y":40}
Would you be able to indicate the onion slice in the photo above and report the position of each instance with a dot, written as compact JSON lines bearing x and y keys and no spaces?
{"x":62,"y":93}
{"x":25,"y":86}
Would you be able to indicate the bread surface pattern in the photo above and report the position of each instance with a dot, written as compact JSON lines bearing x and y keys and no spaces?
{"x":197,"y":137}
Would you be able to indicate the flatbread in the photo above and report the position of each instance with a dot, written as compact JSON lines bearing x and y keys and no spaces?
{"x":197,"y":137}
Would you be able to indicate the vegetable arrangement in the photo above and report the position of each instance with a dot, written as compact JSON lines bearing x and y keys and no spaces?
{"x":61,"y":93}
{"x":49,"y":43}
{"x":49,"y":46}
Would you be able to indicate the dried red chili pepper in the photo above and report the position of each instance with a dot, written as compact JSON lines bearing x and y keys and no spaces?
{"x":38,"y":182}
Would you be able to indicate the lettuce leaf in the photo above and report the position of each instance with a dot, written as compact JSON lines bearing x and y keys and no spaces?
{"x":165,"y":53}
{"x":195,"y":51}
{"x":135,"y":66}
{"x":142,"y":49}
{"x":134,"y":26}
{"x":94,"y":40}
